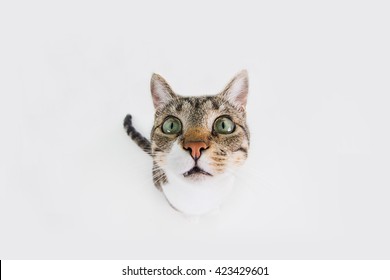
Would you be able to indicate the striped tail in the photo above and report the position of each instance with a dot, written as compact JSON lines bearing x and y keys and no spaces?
{"x":141,"y":141}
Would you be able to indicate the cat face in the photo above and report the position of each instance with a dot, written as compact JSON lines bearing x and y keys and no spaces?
{"x":198,"y":138}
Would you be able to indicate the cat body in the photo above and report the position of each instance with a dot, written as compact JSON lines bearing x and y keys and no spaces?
{"x":196,"y":144}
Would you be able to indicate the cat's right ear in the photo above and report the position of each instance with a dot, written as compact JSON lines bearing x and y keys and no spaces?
{"x":161,"y":91}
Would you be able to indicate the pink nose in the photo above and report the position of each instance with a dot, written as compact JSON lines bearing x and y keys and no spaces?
{"x":195,"y":148}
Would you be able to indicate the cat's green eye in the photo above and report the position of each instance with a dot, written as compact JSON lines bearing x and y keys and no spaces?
{"x":171,"y":125}
{"x":224,"y":125}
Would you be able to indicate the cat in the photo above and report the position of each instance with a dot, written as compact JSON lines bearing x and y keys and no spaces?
{"x":196,"y":143}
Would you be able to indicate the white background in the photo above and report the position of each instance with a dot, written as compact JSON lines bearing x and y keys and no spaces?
{"x":74,"y":186}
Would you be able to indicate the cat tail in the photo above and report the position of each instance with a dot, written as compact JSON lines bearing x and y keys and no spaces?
{"x":141,"y":141}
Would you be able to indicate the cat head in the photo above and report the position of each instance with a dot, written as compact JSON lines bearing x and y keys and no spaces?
{"x":197,"y":138}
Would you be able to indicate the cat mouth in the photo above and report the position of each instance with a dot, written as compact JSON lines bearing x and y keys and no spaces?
{"x":195,"y":171}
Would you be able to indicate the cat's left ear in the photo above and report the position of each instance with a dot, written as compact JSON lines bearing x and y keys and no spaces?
{"x":236,"y":92}
{"x":161,"y":91}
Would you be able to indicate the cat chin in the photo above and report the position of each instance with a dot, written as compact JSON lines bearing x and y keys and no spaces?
{"x":196,"y":178}
{"x":194,"y":174}
{"x":197,"y":196}
{"x":197,"y":174}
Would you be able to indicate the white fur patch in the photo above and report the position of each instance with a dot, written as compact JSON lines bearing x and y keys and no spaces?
{"x":197,"y":197}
